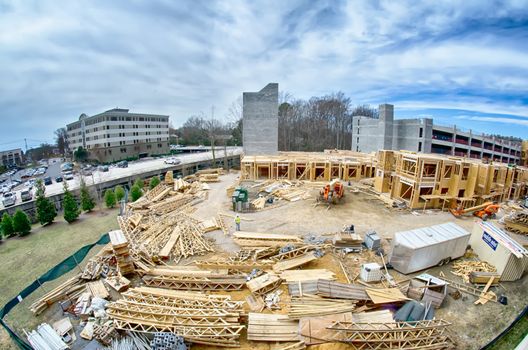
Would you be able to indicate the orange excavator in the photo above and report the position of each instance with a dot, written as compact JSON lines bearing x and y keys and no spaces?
{"x":332,"y":192}
{"x":483,"y":211}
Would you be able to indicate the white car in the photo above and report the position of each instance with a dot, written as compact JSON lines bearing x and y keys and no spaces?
{"x":172,"y":160}
{"x":68,"y":176}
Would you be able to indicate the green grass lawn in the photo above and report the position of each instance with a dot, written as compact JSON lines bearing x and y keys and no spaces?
{"x":511,"y":339}
{"x":25,"y":259}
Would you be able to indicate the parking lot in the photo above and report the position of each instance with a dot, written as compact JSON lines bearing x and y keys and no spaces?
{"x":135,"y":168}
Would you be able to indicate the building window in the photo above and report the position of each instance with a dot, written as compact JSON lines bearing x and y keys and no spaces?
{"x":420,"y":145}
{"x":421,"y":132}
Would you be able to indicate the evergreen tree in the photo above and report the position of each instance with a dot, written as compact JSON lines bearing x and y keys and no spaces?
{"x":110,"y":198}
{"x":154,"y":182}
{"x":7,"y":226}
{"x":139,"y":183}
{"x":46,"y":211}
{"x":71,"y":208}
{"x":135,"y":193}
{"x":87,"y":202}
{"x":21,"y":224}
{"x":119,"y":193}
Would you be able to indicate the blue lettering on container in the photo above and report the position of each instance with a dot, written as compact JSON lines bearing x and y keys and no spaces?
{"x":490,"y":240}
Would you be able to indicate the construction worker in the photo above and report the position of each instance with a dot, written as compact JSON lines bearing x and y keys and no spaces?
{"x":237,"y":222}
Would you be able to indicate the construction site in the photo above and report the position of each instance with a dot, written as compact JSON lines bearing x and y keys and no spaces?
{"x":328,"y":250}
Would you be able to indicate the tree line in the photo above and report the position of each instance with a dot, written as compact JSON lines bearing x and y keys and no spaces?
{"x":304,"y":125}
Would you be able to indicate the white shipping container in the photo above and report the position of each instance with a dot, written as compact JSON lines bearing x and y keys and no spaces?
{"x":422,"y":248}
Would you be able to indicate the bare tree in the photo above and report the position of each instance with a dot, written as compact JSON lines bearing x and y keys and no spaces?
{"x":61,"y":139}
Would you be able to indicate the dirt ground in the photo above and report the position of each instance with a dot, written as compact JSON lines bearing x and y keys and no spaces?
{"x":473,"y":326}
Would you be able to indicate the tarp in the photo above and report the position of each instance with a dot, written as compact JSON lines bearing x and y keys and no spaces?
{"x":58,"y":270}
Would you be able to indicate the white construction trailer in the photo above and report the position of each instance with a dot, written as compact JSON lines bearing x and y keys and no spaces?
{"x":422,"y":248}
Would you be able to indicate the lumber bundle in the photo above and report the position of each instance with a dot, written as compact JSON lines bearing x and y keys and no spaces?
{"x":258,"y":239}
{"x":347,"y":239}
{"x":70,"y":289}
{"x":199,"y":318}
{"x":312,"y":306}
{"x":307,"y":275}
{"x":264,"y":284}
{"x":208,"y":178}
{"x":517,"y":222}
{"x":192,"y":278}
{"x":270,"y":327}
{"x":210,"y":225}
{"x":479,"y":277}
{"x":329,"y":289}
{"x":121,"y":252}
{"x":294,"y":262}
{"x":385,"y":295}
{"x":464,"y":268}
{"x":431,"y":334}
{"x":98,"y":263}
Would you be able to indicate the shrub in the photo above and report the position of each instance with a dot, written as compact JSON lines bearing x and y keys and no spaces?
{"x":87,"y":202}
{"x":21,"y":224}
{"x":7,"y":226}
{"x":110,"y":198}
{"x":71,"y":208}
{"x":139,"y":183}
{"x":135,"y":193}
{"x":154,"y":182}
{"x":119,"y":193}
{"x":46,"y":211}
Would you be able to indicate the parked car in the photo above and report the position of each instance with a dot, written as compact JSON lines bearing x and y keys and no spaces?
{"x":68,"y":176}
{"x":103,"y":168}
{"x":47,"y":181}
{"x":9,"y":199}
{"x":172,"y":160}
{"x":26,"y":195}
{"x":58,"y":179}
{"x":122,"y":164}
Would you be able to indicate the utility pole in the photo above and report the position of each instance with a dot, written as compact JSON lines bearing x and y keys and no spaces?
{"x":212,"y":136}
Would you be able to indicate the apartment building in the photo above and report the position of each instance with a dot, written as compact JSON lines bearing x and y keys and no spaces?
{"x":423,"y":136}
{"x":118,"y":134}
{"x":11,"y":157}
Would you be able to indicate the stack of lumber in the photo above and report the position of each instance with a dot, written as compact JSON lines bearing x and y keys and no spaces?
{"x":347,"y":240}
{"x":313,"y":329}
{"x":71,"y":289}
{"x":385,"y":295}
{"x":464,"y":268}
{"x":264,"y":284}
{"x":479,"y":277}
{"x":180,"y":185}
{"x":312,"y":306}
{"x":329,"y":289}
{"x":208,"y":178}
{"x":294,"y":262}
{"x":199,"y":318}
{"x":97,"y":289}
{"x":210,"y":225}
{"x":169,"y":177}
{"x":269,"y":327}
{"x":258,"y":239}
{"x":517,"y":222}
{"x":192,"y":278}
{"x":213,"y":171}
{"x":121,"y":252}
{"x":258,"y":203}
{"x":98,"y":263}
{"x":307,"y":275}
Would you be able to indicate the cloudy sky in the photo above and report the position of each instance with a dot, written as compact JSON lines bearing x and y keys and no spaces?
{"x":462,"y":62}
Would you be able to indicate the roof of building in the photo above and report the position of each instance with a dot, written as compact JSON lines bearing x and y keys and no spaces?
{"x":426,"y":236}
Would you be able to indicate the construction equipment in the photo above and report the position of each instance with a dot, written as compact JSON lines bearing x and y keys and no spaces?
{"x":332,"y":192}
{"x":483,"y":211}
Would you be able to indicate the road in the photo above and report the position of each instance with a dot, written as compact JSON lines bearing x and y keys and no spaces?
{"x":135,"y":168}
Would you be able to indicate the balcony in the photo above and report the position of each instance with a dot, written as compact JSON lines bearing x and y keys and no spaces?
{"x":442,"y":138}
{"x":462,"y":141}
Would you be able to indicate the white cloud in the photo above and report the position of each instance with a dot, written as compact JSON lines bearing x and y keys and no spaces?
{"x":58,"y":60}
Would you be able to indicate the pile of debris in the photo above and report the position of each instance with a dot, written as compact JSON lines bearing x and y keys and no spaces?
{"x":517,"y":222}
